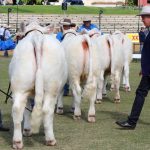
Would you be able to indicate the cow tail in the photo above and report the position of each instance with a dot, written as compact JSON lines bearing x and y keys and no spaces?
{"x":36,"y":116}
{"x":111,"y":53}
{"x":88,"y":89}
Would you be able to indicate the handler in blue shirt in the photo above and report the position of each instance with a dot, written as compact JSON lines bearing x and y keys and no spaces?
{"x":66,"y":24}
{"x":87,"y":25}
{"x":144,"y":85}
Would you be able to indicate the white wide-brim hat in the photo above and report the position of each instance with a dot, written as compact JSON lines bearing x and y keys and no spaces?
{"x":65,"y":22}
{"x":145,"y":11}
{"x":86,"y":19}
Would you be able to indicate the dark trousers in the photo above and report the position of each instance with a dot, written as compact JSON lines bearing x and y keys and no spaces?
{"x":66,"y":89}
{"x":5,"y":53}
{"x":1,"y":119}
{"x":141,"y":93}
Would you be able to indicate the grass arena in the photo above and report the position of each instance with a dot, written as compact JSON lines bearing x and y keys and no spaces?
{"x":104,"y":134}
{"x":81,"y":135}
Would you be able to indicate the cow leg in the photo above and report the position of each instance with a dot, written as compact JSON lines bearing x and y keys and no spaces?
{"x":59,"y":107}
{"x":112,"y":77}
{"x":104,"y":91}
{"x":48,"y":111}
{"x":72,"y":106}
{"x":17,"y":114}
{"x":123,"y":78}
{"x":126,"y":77}
{"x":99,"y":89}
{"x":117,"y":86}
{"x":91,"y":113}
{"x":77,"y":100}
{"x":27,"y":114}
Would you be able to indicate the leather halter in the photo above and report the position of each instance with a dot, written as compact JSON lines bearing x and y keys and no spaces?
{"x":67,"y":33}
{"x":33,"y":30}
{"x":93,"y":34}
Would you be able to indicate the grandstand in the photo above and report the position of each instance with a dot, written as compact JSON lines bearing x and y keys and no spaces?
{"x":108,"y":23}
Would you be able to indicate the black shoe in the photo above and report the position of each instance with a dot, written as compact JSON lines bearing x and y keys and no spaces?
{"x":4,"y":129}
{"x":125,"y":125}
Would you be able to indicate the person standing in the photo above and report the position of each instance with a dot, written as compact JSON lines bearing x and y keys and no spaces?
{"x":142,"y":38}
{"x":1,"y":32}
{"x":66,"y":24}
{"x":5,"y":35}
{"x":144,"y":85}
{"x":3,"y":2}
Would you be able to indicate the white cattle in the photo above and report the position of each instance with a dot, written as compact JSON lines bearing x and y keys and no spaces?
{"x":38,"y":65}
{"x":127,"y":53}
{"x":111,"y":62}
{"x":82,"y":68}
{"x":115,"y":53}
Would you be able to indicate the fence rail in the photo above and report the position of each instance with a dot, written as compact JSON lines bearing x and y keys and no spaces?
{"x":108,"y":23}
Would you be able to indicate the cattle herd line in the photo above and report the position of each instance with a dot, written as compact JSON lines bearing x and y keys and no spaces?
{"x":41,"y":66}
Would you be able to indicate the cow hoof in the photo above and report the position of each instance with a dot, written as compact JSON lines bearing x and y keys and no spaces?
{"x":117,"y":101}
{"x":76,"y":117}
{"x":17,"y":145}
{"x":51,"y":143}
{"x":27,"y":132}
{"x":98,"y":101}
{"x":59,"y":111}
{"x":91,"y":118}
{"x":127,"y":89}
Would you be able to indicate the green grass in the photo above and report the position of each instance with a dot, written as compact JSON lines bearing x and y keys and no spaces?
{"x":40,"y":9}
{"x":81,"y":135}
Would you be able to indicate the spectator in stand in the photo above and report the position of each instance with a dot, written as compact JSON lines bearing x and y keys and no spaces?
{"x":87,"y":25}
{"x":5,"y":35}
{"x":3,"y":2}
{"x":142,"y":37}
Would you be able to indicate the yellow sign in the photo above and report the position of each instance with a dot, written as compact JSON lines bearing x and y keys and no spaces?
{"x":134,"y":37}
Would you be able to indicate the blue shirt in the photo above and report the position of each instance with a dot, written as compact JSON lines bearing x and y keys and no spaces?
{"x":92,"y":26}
{"x":145,"y":57}
{"x":59,"y":36}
